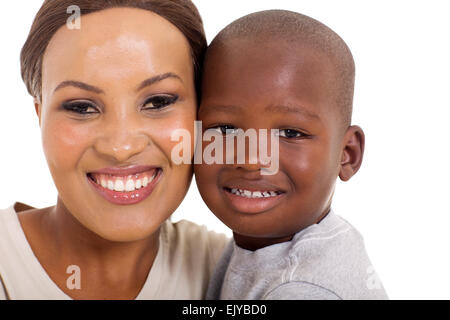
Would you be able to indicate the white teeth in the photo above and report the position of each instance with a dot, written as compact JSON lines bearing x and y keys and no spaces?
{"x":118,"y":186}
{"x":254,"y":194}
{"x":129,"y":186}
{"x":138,"y":184}
{"x":110,"y":185}
{"x":124,"y":184}
{"x":257,"y":194}
{"x":145,"y":182}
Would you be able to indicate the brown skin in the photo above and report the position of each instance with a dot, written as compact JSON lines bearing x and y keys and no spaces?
{"x":241,"y":80}
{"x":114,"y":245}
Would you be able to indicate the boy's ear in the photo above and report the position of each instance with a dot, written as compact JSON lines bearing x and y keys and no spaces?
{"x":38,"y":108}
{"x":352,"y":154}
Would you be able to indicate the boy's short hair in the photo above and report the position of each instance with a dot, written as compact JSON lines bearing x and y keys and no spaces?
{"x":293,"y":27}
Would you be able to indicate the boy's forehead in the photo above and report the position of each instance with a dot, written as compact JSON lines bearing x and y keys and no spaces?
{"x":243,"y":67}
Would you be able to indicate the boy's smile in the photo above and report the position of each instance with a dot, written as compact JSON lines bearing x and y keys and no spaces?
{"x":249,"y":84}
{"x":247,"y":195}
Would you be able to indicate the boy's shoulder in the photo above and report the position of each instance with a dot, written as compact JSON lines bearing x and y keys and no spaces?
{"x":327,"y":240}
{"x":327,"y":260}
{"x":331,"y":257}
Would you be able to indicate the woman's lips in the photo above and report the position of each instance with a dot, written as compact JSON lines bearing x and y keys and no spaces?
{"x":252,"y":200}
{"x":125,"y":186}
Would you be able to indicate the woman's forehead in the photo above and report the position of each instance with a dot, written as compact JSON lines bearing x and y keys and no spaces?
{"x":140,"y":41}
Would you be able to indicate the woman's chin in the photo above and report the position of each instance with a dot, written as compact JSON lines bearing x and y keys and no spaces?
{"x":127,"y":232}
{"x":117,"y":223}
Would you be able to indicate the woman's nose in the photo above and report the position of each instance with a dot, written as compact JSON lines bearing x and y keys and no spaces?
{"x":121,"y":142}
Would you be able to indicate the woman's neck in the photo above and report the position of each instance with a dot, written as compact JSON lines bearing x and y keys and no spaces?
{"x":107,"y":269}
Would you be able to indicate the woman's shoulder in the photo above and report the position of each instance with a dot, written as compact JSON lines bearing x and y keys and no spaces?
{"x":14,"y":220}
{"x":12,"y":248}
{"x":187,"y":229}
{"x":188,"y":234}
{"x":6,"y":218}
{"x":194,"y":241}
{"x":9,"y":217}
{"x":8,"y":221}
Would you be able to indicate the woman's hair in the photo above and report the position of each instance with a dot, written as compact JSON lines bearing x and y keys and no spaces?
{"x":53,"y":15}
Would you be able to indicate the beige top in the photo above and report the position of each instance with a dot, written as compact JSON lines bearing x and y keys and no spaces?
{"x":185,"y":261}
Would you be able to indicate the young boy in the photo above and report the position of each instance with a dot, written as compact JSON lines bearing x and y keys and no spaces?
{"x":283,"y":70}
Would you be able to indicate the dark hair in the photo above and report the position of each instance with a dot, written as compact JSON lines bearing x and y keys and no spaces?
{"x":53,"y":15}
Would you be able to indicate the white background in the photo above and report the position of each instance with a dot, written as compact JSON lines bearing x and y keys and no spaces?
{"x":398,"y":200}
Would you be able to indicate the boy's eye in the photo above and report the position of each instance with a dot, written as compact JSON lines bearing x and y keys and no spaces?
{"x":290,"y":133}
{"x":80,"y":107}
{"x":159,"y":102}
{"x":222,"y":129}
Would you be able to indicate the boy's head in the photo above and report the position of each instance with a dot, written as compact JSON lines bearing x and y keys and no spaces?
{"x":279,"y":70}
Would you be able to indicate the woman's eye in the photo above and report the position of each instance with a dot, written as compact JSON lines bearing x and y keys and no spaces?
{"x":159,"y":102}
{"x":80,"y":107}
{"x":290,"y":133}
{"x":225,"y":129}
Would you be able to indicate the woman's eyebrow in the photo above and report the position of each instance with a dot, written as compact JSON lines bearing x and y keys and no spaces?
{"x":88,"y":87}
{"x":78,"y":84}
{"x":157,"y":78}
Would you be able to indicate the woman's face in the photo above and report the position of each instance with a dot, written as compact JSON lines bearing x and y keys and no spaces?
{"x":113,"y":92}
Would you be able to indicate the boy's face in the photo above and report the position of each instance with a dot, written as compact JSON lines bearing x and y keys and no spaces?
{"x":271,"y":86}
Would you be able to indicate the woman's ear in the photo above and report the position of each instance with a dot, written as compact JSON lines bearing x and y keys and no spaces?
{"x":38,"y":107}
{"x":352,"y":154}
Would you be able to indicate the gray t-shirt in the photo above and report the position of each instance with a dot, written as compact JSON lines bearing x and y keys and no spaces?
{"x":327,"y":260}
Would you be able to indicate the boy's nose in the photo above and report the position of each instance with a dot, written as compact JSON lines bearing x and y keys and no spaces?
{"x":252,"y":156}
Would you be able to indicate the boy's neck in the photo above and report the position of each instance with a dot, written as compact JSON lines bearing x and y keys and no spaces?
{"x":255,"y":243}
{"x":252,"y":243}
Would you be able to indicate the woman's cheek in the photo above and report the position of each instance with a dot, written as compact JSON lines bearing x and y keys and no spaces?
{"x":64,"y":143}
{"x":168,"y":134}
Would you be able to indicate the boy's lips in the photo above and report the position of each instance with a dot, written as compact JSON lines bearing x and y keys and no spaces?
{"x":125,"y":186}
{"x":252,"y":196}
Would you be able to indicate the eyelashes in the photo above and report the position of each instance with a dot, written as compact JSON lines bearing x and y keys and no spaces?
{"x":80,"y":107}
{"x":284,"y":133}
{"x":222,"y":129}
{"x":159,"y":101}
{"x":291,"y":134}
{"x":86,"y":108}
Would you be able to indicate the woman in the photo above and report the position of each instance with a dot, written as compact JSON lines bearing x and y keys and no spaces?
{"x":109,"y":91}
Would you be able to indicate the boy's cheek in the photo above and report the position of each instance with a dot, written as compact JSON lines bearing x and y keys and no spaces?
{"x":206,"y":173}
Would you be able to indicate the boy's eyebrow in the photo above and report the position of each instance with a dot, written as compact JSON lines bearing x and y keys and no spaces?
{"x":269,"y":108}
{"x":291,"y":109}
{"x":220,"y":108}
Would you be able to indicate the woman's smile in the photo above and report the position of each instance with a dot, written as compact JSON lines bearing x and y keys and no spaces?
{"x":125,"y":186}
